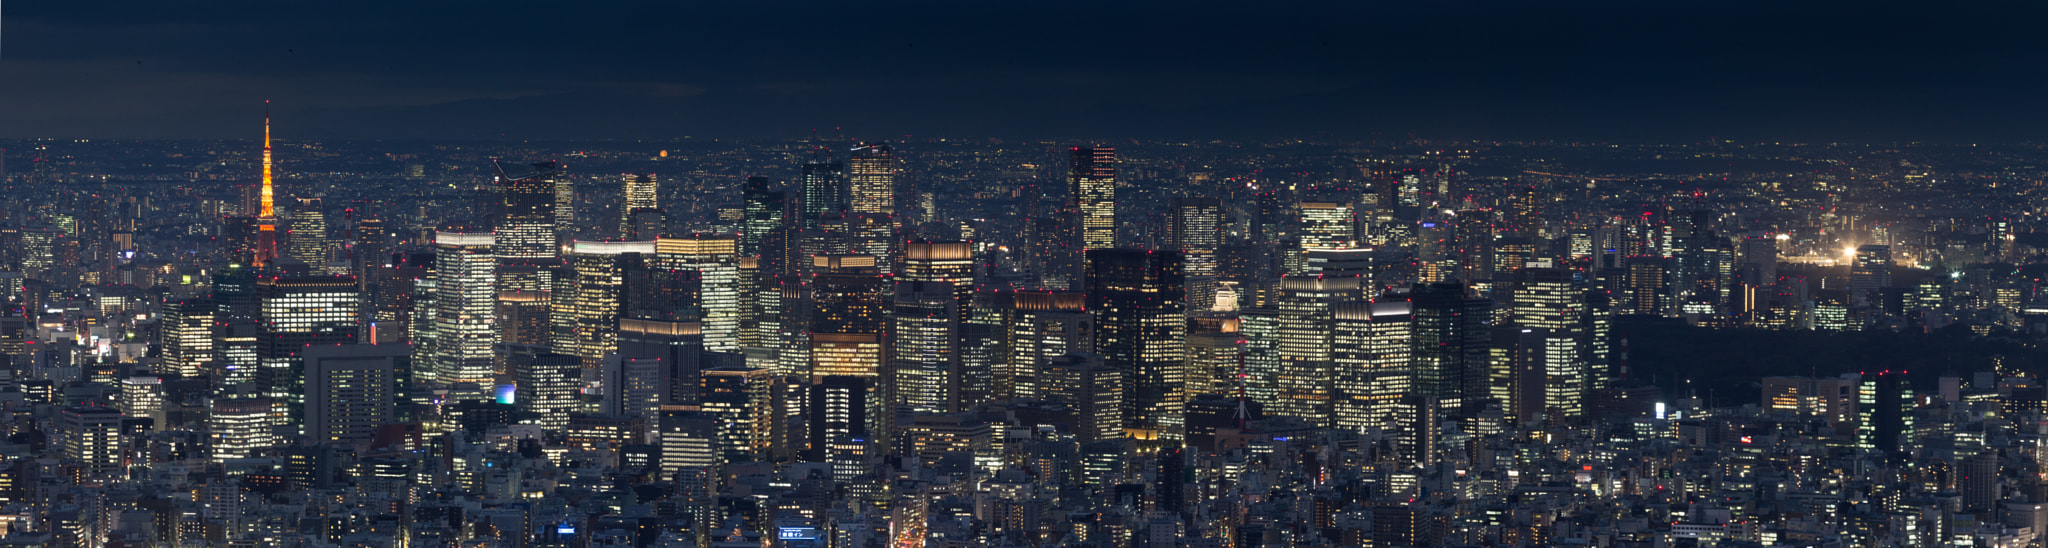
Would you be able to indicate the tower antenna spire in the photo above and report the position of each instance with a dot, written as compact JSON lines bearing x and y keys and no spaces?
{"x":268,"y":212}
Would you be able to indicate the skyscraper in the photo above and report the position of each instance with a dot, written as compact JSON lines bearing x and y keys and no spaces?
{"x":308,"y":236}
{"x":873,"y":170}
{"x":716,"y":259}
{"x":949,"y":262}
{"x":526,"y":226}
{"x":1328,"y":226}
{"x":89,"y":437}
{"x":1870,"y":273}
{"x":465,"y":323}
{"x":925,"y":357}
{"x":299,"y":312}
{"x":1141,"y":328}
{"x":1371,"y":349}
{"x":1091,"y":192}
{"x":352,"y":390}
{"x":1547,"y":301}
{"x":824,"y":190}
{"x":1043,"y":326}
{"x":642,"y":193}
{"x":1308,"y":370}
{"x":849,"y":317}
{"x":762,"y":217}
{"x":1452,"y":342}
{"x":598,"y":298}
{"x":187,"y":331}
{"x":740,"y":398}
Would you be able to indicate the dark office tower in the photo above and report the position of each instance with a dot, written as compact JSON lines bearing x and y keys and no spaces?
{"x":763,"y":214}
{"x":1140,"y":330}
{"x":786,"y":301}
{"x":371,"y":249}
{"x":849,"y":317}
{"x":741,"y":398}
{"x":873,"y":170}
{"x":238,"y":239}
{"x":1091,"y":391}
{"x":950,"y":262}
{"x":1525,"y":212}
{"x":523,"y":317}
{"x":1307,"y":369}
{"x":234,"y":295}
{"x":1091,"y":192}
{"x":1648,"y":287}
{"x":1885,"y":408}
{"x":841,"y":410}
{"x":1473,"y":246}
{"x":679,"y":345}
{"x":352,"y":390}
{"x":1869,"y":275}
{"x":644,"y":224}
{"x":398,"y":299}
{"x":1272,"y":219}
{"x":1452,"y":339}
{"x":1053,"y":249}
{"x":1546,"y":300}
{"x":527,"y":227}
{"x":924,"y":361}
{"x":642,"y":192}
{"x":824,"y":190}
{"x":297,"y":312}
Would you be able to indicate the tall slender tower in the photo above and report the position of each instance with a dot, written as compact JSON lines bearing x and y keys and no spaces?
{"x":1091,"y":191}
{"x":266,"y":220}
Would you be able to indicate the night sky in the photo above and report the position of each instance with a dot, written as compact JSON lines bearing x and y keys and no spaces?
{"x":1635,"y":71}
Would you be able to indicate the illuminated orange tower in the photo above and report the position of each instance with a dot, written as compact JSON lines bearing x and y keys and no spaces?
{"x":266,"y":222}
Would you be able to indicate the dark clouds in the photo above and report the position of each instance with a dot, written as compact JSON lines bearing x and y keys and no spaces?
{"x":534,"y":70}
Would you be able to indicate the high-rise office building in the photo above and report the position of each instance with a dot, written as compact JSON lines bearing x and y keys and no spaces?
{"x":873,"y":171}
{"x":849,"y":317}
{"x":89,"y":437}
{"x":1328,"y":226}
{"x":1308,"y":369}
{"x":549,"y":386}
{"x":1869,"y":273}
{"x":465,"y":303}
{"x":1141,"y":328}
{"x":824,"y":190}
{"x":300,"y":312}
{"x":1091,"y":391}
{"x":1043,"y":325}
{"x":949,"y":262}
{"x":678,"y":345}
{"x":239,"y":428}
{"x":642,"y":191}
{"x":1215,"y":357}
{"x":760,"y":221}
{"x":598,"y":295}
{"x":715,"y":257}
{"x":740,"y":398}
{"x":1548,"y":301}
{"x":842,"y":412}
{"x":1091,"y":192}
{"x":187,"y":333}
{"x":925,"y":360}
{"x":308,"y":237}
{"x":1452,"y":341}
{"x":526,"y":224}
{"x":1371,"y":349}
{"x":352,"y":390}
